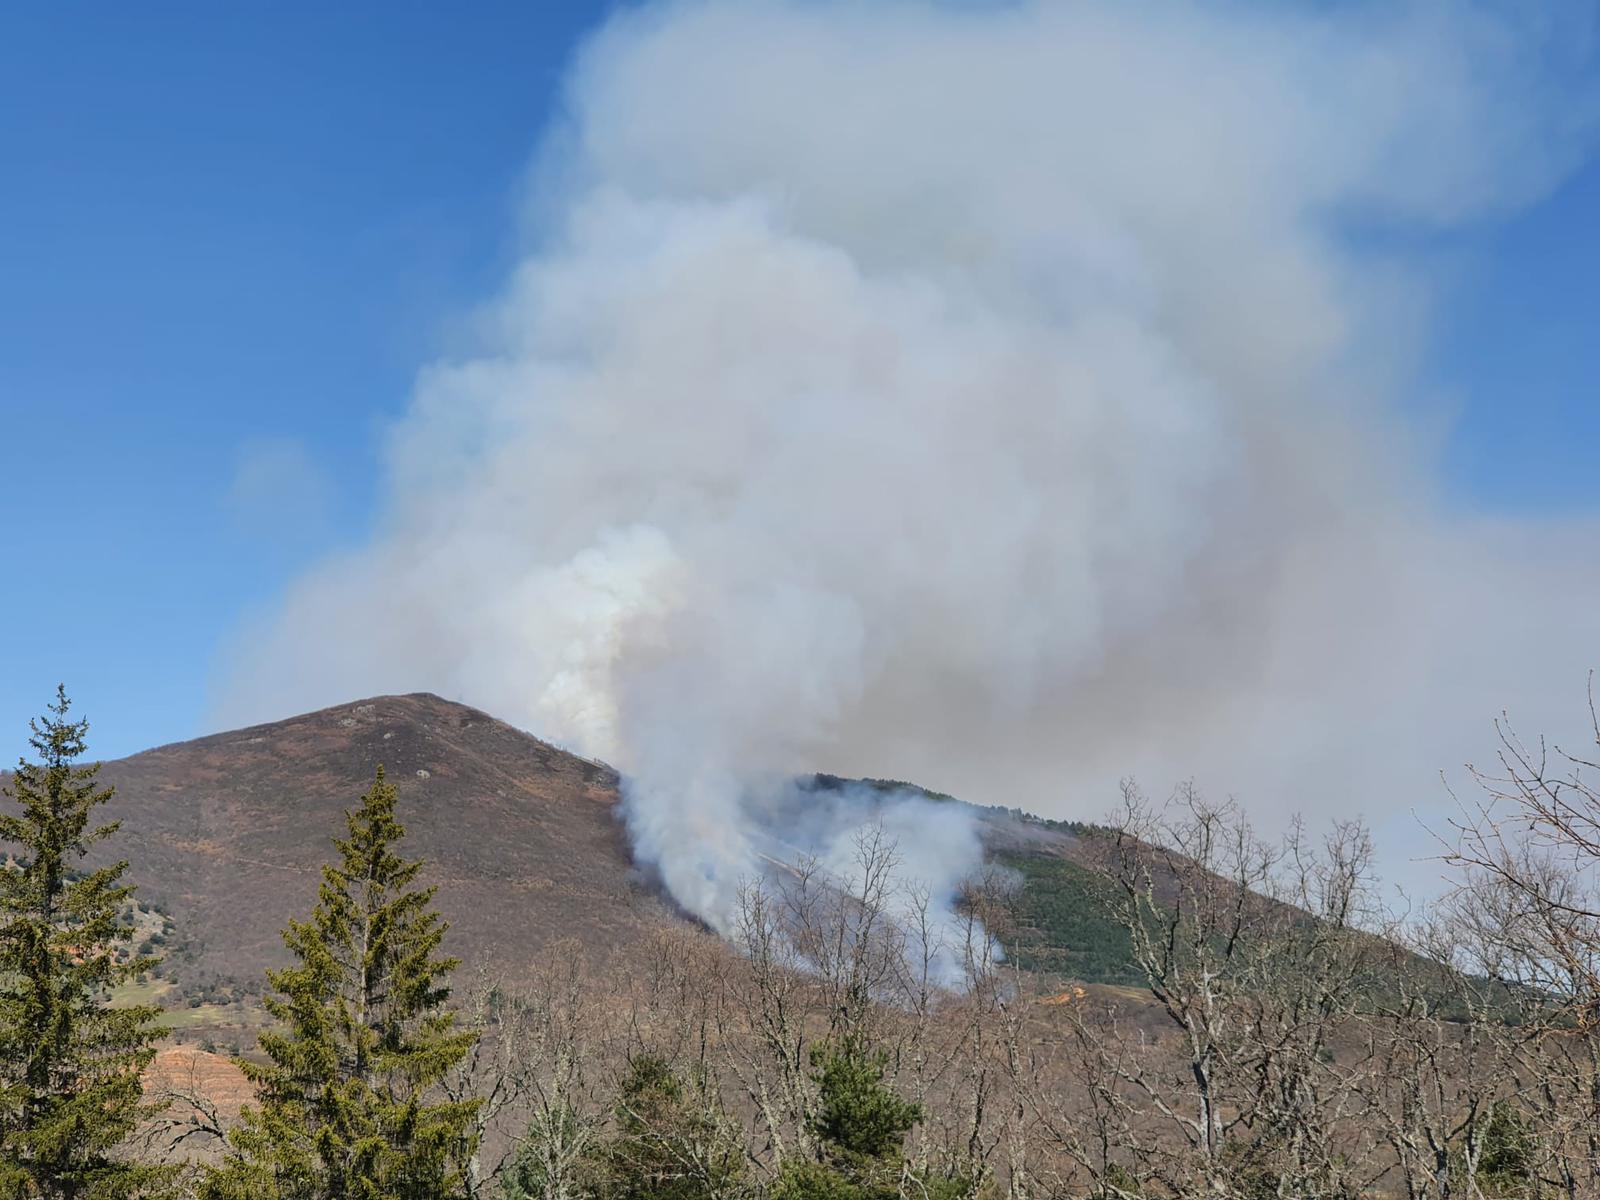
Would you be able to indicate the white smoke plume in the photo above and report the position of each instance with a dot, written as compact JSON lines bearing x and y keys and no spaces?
{"x":1003,"y":397}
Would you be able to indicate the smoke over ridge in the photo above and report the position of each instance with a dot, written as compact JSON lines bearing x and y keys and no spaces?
{"x":992,"y":396}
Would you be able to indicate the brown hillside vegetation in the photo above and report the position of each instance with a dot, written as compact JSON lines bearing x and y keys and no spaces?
{"x":226,"y":834}
{"x":1279,"y":1031}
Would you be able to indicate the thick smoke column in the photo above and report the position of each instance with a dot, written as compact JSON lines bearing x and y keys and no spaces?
{"x":984,"y":395}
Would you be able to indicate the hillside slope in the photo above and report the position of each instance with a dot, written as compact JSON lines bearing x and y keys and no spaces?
{"x":226,"y":834}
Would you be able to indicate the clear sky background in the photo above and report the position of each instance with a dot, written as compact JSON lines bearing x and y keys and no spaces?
{"x":230,"y":234}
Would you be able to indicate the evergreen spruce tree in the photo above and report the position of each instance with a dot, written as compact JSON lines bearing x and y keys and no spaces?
{"x":345,"y":1110}
{"x":70,"y":1065}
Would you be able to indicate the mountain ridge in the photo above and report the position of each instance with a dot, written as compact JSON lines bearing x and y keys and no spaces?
{"x":226,"y":834}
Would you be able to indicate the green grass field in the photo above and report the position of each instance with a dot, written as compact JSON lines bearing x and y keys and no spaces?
{"x":179,"y":1015}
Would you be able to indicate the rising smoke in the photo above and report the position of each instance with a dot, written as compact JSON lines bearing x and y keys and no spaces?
{"x":1006,"y":397}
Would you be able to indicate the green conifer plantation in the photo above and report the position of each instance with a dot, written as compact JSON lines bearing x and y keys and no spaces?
{"x":70,"y":1066}
{"x":346,"y":1109}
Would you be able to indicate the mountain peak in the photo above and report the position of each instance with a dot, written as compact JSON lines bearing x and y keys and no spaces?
{"x":226,"y":834}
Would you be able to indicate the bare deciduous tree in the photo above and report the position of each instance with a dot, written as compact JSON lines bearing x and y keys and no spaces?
{"x":1528,"y":852}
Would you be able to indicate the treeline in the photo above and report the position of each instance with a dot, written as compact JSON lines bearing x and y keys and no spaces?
{"x":1282,"y":1032}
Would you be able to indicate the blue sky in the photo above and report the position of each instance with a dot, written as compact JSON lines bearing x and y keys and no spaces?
{"x":224,"y":227}
{"x":229,"y":236}
{"x":1518,"y":351}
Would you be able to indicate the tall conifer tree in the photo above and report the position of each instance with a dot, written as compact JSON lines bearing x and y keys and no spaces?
{"x":70,"y":1065}
{"x":345,"y":1107}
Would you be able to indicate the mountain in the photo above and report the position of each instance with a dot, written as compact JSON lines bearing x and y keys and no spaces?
{"x":226,"y":834}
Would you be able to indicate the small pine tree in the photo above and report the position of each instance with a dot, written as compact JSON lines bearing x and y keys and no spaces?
{"x":345,"y":1108}
{"x":861,"y":1125}
{"x":70,"y":1065}
{"x":1507,"y":1167}
{"x":672,"y":1139}
{"x":859,"y":1116}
